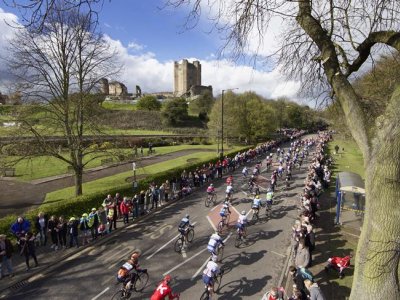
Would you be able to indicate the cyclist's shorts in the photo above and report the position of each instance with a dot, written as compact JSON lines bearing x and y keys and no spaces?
{"x":222,"y":214}
{"x":240,"y":226}
{"x":207,"y":280}
{"x":181,"y":230}
{"x":121,"y":279}
{"x":255,"y":207}
{"x":211,"y":250}
{"x":269,"y":202}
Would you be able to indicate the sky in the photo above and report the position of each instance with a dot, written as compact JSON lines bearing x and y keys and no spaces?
{"x":150,"y":37}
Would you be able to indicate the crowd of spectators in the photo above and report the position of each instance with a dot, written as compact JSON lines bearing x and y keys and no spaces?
{"x":63,"y":232}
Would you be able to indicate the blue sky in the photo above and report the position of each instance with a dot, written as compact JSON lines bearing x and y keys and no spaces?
{"x":149,"y":39}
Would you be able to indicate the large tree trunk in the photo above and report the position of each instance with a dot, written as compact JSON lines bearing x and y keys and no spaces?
{"x":378,"y":251}
{"x":78,"y":174}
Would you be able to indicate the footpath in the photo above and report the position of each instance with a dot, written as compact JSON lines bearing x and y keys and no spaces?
{"x":18,"y":196}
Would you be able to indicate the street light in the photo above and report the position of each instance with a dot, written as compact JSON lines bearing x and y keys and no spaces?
{"x":222,"y":121}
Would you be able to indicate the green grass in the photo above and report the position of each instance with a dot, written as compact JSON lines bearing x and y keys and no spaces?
{"x":350,"y":160}
{"x":104,"y":184}
{"x":118,"y":106}
{"x":46,"y":166}
{"x":114,"y":131}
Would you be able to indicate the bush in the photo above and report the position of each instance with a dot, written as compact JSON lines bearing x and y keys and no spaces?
{"x":148,"y":103}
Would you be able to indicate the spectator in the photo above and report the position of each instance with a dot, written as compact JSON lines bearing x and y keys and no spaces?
{"x":135,"y":206}
{"x":154,"y":197}
{"x":310,"y":241}
{"x":302,"y":259}
{"x":62,"y":229}
{"x":107,"y":202}
{"x":147,"y":199}
{"x":41,"y":227}
{"x":142,"y":197}
{"x":20,"y":227}
{"x":315,"y":291}
{"x":298,"y":282}
{"x":167,"y":189}
{"x":52,"y":225}
{"x":94,"y":223}
{"x":102,"y":217}
{"x":112,"y":216}
{"x":6,"y":250}
{"x":161,"y":194}
{"x":125,"y":208}
{"x":73,"y":232}
{"x":28,"y":249}
{"x":118,"y":200}
{"x":276,"y":294}
{"x":84,"y":227}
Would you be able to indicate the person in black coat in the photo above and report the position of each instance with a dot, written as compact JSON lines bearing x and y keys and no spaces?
{"x":28,"y":249}
{"x":52,"y":226}
{"x":41,"y":223}
{"x":62,"y":229}
{"x":309,"y":240}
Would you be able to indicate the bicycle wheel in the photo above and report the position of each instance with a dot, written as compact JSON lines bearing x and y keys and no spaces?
{"x":220,"y":253}
{"x":205,"y":295}
{"x":214,"y":199}
{"x":207,"y":201}
{"x":119,"y":295}
{"x":254,"y":218}
{"x":141,"y":281}
{"x":178,"y":245}
{"x":238,"y":240}
{"x":220,"y":226}
{"x":190,"y":235}
{"x":217,"y":282}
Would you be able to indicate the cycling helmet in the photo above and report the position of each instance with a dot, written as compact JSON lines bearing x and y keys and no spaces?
{"x":135,"y":255}
{"x":257,"y":197}
{"x":211,"y":184}
{"x":187,"y":216}
{"x":167,"y":278}
{"x":243,"y":212}
{"x":85,"y":215}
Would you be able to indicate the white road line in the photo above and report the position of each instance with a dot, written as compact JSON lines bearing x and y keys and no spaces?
{"x":208,"y":259}
{"x":183,"y":252}
{"x":239,"y":213}
{"x":184,"y":262}
{"x":166,"y":244}
{"x":212,"y":224}
{"x":111,"y":257}
{"x":214,"y":207}
{"x":103,"y":292}
{"x":277,"y":253}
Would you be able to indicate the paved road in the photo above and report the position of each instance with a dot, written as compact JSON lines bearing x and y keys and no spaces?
{"x":250,"y":268}
{"x":17,"y":197}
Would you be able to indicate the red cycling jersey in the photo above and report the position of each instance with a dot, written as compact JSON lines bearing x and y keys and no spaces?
{"x":162,"y":291}
{"x":343,"y":262}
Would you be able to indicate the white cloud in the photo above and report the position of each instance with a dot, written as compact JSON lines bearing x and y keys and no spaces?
{"x":155,"y":76}
{"x":135,"y":47}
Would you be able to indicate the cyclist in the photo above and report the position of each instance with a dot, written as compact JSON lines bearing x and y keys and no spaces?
{"x":245,"y":172}
{"x":211,"y":191}
{"x":229,"y":191}
{"x":164,"y":290}
{"x":256,"y":203}
{"x":269,"y":196}
{"x":225,"y":210}
{"x":214,"y":243}
{"x":184,"y":226}
{"x":209,"y":273}
{"x":229,"y":180}
{"x":242,"y":222}
{"x":125,"y":273}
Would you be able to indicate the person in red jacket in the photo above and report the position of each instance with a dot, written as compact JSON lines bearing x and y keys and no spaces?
{"x":125,"y":208}
{"x":163,"y":290}
{"x":339,"y":263}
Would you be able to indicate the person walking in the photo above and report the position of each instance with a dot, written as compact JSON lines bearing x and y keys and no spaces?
{"x":28,"y":249}
{"x":41,"y":227}
{"x":6,"y":250}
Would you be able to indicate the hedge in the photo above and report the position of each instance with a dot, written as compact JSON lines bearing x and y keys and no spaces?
{"x":75,"y":206}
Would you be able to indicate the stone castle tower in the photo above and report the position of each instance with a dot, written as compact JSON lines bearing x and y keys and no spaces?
{"x":186,"y":75}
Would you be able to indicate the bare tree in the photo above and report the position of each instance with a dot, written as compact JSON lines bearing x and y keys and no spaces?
{"x":327,"y":43}
{"x":60,"y":67}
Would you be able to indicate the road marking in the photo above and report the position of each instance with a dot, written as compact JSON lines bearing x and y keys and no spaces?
{"x":278,"y":253}
{"x":208,"y":259}
{"x":183,"y":251}
{"x":111,"y":257}
{"x":212,"y":224}
{"x":166,"y":244}
{"x":184,"y":262}
{"x":214,"y":207}
{"x":239,"y":213}
{"x":103,"y":292}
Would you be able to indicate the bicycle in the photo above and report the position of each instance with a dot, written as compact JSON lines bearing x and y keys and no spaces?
{"x":268,"y":208}
{"x":211,"y":198}
{"x":209,"y":290}
{"x":140,"y":282}
{"x":255,"y":216}
{"x":223,"y":223}
{"x":220,"y":252}
{"x":188,"y":236}
{"x":239,"y":237}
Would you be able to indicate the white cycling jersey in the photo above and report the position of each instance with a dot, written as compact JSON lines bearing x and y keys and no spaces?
{"x":229,"y":189}
{"x":242,"y":220}
{"x":211,"y":269}
{"x":215,"y":239}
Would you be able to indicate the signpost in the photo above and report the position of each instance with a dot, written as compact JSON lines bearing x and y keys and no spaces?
{"x":134,"y":175}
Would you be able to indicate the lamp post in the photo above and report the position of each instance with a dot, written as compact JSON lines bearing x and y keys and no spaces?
{"x":222,"y":121}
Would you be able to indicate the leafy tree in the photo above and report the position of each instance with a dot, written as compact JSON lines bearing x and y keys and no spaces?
{"x":175,"y":111}
{"x":325,"y":45}
{"x":148,"y":103}
{"x":202,"y":104}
